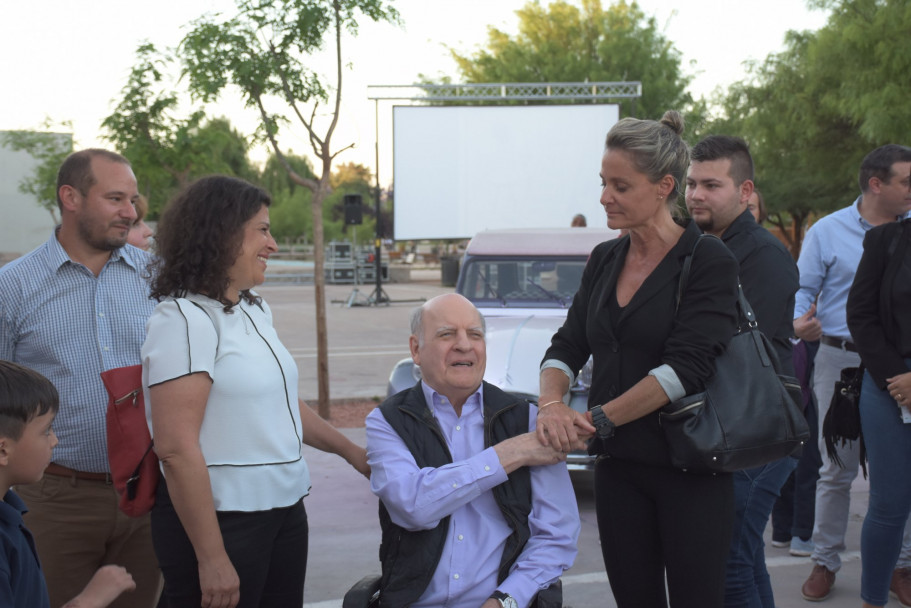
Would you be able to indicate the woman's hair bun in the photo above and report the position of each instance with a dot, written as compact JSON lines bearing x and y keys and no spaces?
{"x":674,"y":120}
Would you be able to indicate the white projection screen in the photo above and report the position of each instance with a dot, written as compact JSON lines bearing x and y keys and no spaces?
{"x":462,"y":169}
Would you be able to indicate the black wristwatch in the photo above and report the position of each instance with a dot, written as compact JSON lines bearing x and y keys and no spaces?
{"x":603,"y":425}
{"x":506,"y":600}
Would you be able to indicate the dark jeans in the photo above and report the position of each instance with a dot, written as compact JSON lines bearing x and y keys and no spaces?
{"x":888,"y":442}
{"x":747,"y":583}
{"x":267,"y":548}
{"x":658,"y":521}
{"x":795,"y":509}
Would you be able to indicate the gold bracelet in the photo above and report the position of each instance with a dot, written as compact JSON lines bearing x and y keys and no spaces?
{"x":541,"y":407}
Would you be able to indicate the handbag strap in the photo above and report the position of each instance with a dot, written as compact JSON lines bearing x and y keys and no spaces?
{"x":746,"y":320}
{"x":745,"y":310}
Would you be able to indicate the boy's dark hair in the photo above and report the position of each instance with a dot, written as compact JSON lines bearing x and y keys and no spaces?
{"x":878,"y":163}
{"x":735,"y":149}
{"x":24,"y":395}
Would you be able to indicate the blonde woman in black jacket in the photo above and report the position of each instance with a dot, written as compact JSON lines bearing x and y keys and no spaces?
{"x":655,"y":521}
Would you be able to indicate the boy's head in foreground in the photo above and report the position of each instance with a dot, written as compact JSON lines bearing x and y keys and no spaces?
{"x":28,"y":404}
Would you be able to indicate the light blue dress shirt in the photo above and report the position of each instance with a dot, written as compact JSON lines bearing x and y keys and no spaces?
{"x":828,"y":260}
{"x":58,"y":318}
{"x":417,"y":499}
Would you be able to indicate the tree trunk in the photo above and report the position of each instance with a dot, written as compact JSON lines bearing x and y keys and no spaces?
{"x":792,"y":232}
{"x":798,"y":221}
{"x":319,"y":294}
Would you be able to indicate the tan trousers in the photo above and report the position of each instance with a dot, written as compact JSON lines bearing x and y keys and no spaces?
{"x":78,"y":528}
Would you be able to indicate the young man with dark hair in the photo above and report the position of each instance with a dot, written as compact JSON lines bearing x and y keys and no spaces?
{"x":718,"y":187}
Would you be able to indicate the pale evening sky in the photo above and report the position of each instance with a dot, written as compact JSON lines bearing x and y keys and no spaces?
{"x":69,"y":60}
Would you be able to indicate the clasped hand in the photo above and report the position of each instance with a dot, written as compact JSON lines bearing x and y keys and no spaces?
{"x":563,"y":428}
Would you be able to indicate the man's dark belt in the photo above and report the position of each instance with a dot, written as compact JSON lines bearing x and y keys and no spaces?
{"x":838,"y":343}
{"x":62,"y":471}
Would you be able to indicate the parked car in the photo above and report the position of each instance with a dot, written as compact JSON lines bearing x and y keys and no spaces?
{"x":523,"y":281}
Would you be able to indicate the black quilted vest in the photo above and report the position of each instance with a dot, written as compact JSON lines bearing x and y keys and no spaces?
{"x":408,"y":558}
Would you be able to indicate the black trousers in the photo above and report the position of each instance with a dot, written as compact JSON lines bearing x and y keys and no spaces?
{"x":658,"y":522}
{"x":794,"y":512}
{"x":267,"y":548}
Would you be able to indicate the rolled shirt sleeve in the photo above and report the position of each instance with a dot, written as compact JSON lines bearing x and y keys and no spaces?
{"x":557,"y":364}
{"x":670,"y":383}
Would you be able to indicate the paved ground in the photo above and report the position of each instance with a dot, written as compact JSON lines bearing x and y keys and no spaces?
{"x":364,"y":341}
{"x":344,"y":537}
{"x":344,"y":543}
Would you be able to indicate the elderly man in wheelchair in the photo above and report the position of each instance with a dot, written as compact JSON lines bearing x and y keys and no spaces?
{"x":474,"y":511}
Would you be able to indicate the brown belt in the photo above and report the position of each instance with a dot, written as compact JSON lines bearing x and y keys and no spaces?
{"x":62,"y":471}
{"x":838,"y":343}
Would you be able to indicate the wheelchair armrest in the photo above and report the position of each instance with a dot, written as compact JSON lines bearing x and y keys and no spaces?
{"x":364,"y":593}
{"x":552,"y":597}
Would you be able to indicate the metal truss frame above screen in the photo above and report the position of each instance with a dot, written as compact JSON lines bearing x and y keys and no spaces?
{"x":511,"y":91}
{"x":487,"y":194}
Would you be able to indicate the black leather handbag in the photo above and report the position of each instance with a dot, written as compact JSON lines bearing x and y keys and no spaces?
{"x":748,"y":415}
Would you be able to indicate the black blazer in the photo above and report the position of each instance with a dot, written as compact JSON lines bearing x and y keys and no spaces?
{"x":878,"y":302}
{"x":647,"y":333}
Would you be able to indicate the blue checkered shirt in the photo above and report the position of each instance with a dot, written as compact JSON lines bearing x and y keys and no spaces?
{"x":59,"y":319}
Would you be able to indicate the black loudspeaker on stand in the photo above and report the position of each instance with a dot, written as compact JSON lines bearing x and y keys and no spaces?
{"x":354,"y":212}
{"x":353,"y":204}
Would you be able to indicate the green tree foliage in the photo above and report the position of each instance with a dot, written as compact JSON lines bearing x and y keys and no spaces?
{"x":262,"y":54}
{"x":289,"y":220}
{"x":354,"y":174}
{"x":811,"y":112}
{"x":168,"y":151}
{"x":565,"y":43}
{"x":228,"y":147}
{"x":865,"y":46}
{"x":49,"y":151}
{"x":290,"y":213}
{"x":805,"y":157}
{"x":274,"y":176}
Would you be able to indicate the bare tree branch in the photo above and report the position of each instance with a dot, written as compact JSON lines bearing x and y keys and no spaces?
{"x":315,"y":142}
{"x":289,"y":98}
{"x":338,"y":69}
{"x":337,"y":152}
